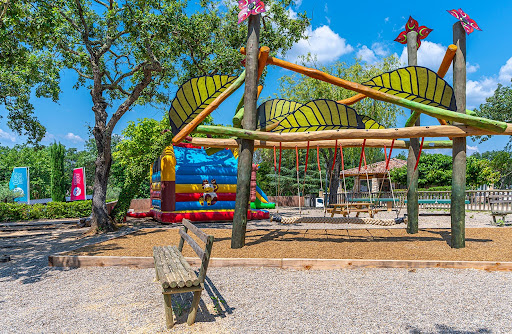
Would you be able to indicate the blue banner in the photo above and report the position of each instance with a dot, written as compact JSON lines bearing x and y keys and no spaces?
{"x":20,"y":183}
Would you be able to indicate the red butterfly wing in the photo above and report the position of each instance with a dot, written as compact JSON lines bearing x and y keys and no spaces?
{"x":402,"y":38}
{"x":423,"y":32}
{"x":411,"y":25}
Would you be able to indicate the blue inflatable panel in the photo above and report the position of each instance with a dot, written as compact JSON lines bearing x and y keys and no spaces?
{"x":198,"y":179}
{"x":156,"y":203}
{"x":187,"y":158}
{"x":220,"y":205}
{"x":206,"y":170}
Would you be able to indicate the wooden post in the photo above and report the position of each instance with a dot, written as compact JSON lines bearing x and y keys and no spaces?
{"x":414,"y":148}
{"x":246,"y":150}
{"x":457,"y":208}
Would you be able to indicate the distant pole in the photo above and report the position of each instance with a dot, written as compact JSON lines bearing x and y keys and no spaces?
{"x":414,"y":148}
{"x":457,"y":208}
{"x":246,"y":149}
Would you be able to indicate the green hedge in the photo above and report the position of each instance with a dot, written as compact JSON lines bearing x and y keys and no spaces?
{"x":52,"y":210}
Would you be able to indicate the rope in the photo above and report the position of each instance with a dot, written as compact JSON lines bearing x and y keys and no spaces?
{"x":335,"y":220}
{"x":414,"y":171}
{"x":343,"y":173}
{"x":319,"y":169}
{"x":275,"y":174}
{"x":305,"y":169}
{"x":298,"y":181}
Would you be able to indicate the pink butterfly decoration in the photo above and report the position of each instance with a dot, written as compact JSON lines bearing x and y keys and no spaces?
{"x":249,"y":7}
{"x":467,"y":23}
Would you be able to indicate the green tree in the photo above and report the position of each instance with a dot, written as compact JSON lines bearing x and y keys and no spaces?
{"x":501,"y":162}
{"x":25,"y":66}
{"x":435,"y":170}
{"x":58,"y":183}
{"x":131,"y":52}
{"x":143,"y":142}
{"x":498,"y":107}
{"x":303,"y":89}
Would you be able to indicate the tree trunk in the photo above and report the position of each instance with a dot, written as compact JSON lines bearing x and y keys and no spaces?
{"x":100,"y":220}
{"x":334,"y":176}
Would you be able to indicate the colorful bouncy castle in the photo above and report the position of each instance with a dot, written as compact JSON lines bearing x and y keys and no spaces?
{"x":188,"y":183}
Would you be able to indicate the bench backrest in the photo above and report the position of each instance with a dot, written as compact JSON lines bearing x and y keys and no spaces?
{"x":498,"y":199}
{"x":204,"y":255}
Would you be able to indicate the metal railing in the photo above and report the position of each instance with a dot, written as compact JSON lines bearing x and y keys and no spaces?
{"x":478,"y":199}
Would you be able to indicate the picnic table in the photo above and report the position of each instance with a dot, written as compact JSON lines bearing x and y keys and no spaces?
{"x":346,"y":208}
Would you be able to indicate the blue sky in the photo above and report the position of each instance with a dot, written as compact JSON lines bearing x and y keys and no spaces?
{"x":340,"y":30}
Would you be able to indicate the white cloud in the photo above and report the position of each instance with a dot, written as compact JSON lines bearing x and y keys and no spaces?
{"x":74,"y":138}
{"x":48,"y":137}
{"x":298,"y":3}
{"x":372,"y":55}
{"x":506,"y":72}
{"x":471,"y":149}
{"x":477,"y":91}
{"x":470,"y":68}
{"x":291,"y":14}
{"x":386,"y":19}
{"x":322,"y":42}
{"x":7,"y":136}
{"x":367,"y":55}
{"x":430,"y":55}
{"x":326,"y":8}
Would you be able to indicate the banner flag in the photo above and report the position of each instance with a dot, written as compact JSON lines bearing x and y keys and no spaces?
{"x":20,"y":182}
{"x":78,"y":185}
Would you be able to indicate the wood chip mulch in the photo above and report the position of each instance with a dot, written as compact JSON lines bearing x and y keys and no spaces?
{"x":482,"y":244}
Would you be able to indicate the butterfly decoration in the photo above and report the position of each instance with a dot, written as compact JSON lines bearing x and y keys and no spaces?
{"x":249,"y":7}
{"x":467,"y":23}
{"x":412,"y":25}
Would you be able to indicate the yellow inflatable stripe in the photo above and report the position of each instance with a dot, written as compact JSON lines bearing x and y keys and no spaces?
{"x":262,"y":200}
{"x":198,"y":188}
{"x":193,"y":211}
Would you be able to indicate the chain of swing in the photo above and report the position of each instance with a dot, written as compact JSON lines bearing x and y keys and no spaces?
{"x":362,"y":159}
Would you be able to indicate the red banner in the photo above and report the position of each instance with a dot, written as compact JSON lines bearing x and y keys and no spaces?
{"x":78,"y":185}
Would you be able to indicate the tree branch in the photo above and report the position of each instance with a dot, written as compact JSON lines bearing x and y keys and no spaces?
{"x":102,"y":3}
{"x":83,"y":75}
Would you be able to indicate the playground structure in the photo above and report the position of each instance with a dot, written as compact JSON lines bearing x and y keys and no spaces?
{"x":324,"y":123}
{"x":187,"y":183}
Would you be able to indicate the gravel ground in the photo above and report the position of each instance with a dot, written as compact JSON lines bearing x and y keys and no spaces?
{"x":37,"y":299}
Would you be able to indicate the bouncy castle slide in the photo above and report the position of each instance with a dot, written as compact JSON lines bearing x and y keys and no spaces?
{"x":188,"y":183}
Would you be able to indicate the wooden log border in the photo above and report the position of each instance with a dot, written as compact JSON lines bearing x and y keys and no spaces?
{"x":78,"y":261}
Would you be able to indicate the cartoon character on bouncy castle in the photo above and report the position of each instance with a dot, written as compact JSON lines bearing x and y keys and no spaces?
{"x":209,"y":193}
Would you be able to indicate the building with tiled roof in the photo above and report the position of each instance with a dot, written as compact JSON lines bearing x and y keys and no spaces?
{"x":377,"y":175}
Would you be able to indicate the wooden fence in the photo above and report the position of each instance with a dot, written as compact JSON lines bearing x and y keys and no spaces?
{"x":478,"y":199}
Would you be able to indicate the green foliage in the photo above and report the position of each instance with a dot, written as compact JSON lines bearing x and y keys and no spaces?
{"x":143,"y":142}
{"x":52,"y":210}
{"x":498,"y":107}
{"x":7,"y":195}
{"x":435,"y":170}
{"x":501,"y":162}
{"x":58,"y":179}
{"x":25,"y":66}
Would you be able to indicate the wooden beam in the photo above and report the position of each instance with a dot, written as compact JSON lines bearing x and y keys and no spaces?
{"x":246,"y":149}
{"x":394,"y":133}
{"x":187,"y":130}
{"x":477,"y":122}
{"x":457,"y":207}
{"x":414,"y":148}
{"x":399,"y":144}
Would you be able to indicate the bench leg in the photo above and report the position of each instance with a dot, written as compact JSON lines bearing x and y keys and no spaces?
{"x":169,"y":318}
{"x":193,"y":309}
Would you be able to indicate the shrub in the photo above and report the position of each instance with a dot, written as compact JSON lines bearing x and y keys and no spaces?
{"x":52,"y":210}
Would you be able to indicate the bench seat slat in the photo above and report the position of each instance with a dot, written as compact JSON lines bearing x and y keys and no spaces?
{"x":173,"y":259}
{"x":170,"y":262}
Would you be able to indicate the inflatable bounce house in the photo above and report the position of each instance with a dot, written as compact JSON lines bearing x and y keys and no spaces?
{"x":188,"y":183}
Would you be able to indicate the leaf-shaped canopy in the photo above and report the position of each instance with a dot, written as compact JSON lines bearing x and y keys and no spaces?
{"x":318,"y":115}
{"x":417,"y":84}
{"x":273,"y":111}
{"x":370,"y":123}
{"x":195,"y":95}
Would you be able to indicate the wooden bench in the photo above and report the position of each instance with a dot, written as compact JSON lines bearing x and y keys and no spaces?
{"x":346,"y":208}
{"x":495,"y":201}
{"x":176,"y":275}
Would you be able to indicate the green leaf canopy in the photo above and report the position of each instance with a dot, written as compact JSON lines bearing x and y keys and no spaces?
{"x":195,"y":95}
{"x":417,"y":84}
